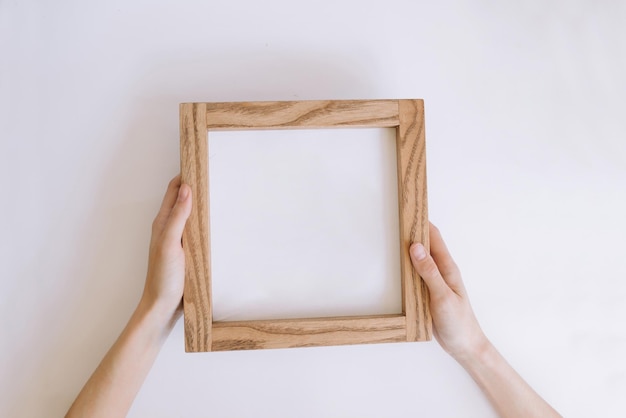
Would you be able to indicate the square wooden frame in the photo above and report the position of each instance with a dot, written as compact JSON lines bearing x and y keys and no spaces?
{"x":197,"y":119}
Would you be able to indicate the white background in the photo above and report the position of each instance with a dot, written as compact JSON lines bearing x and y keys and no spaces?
{"x":304,"y":223}
{"x":526,"y":149}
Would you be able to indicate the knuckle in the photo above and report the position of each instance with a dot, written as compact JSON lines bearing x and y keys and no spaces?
{"x":429,"y":268}
{"x":177,"y":208}
{"x":449,"y":267}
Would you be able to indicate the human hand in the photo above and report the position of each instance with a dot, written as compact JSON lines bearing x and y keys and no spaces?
{"x":454,"y":323}
{"x":166,"y":263}
{"x":112,"y":387}
{"x":458,"y":332}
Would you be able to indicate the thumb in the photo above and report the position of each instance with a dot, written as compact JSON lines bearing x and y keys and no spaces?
{"x":178,"y":216}
{"x":428,"y":270}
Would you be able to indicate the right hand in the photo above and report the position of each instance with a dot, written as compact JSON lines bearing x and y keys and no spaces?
{"x":454,"y":323}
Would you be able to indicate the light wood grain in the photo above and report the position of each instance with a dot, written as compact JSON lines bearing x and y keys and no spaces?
{"x":414,"y":324}
{"x":285,"y":333}
{"x":302,"y":114}
{"x":194,"y":172}
{"x":411,"y":152}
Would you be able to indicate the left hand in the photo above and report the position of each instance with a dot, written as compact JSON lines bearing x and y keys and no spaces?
{"x":111,"y":389}
{"x":166,"y":263}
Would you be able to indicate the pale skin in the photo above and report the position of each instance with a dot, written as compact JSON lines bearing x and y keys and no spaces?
{"x":112,"y":387}
{"x":459,"y":334}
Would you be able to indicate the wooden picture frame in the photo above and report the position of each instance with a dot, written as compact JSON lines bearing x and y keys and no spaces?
{"x":198,"y":119}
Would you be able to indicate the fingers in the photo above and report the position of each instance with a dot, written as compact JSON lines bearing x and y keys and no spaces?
{"x":166,"y":206}
{"x":170,"y":197}
{"x":427,"y":269}
{"x":178,"y":216}
{"x":440,"y":254}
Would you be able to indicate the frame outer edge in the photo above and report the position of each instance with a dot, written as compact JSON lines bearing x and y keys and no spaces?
{"x":197,"y":305}
{"x":414,"y":225}
{"x":413,"y":209}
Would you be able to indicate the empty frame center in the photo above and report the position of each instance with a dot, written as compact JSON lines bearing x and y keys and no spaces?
{"x":304,"y":223}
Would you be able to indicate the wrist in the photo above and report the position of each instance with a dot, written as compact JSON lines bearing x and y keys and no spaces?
{"x":158,"y":315}
{"x":476,"y":352}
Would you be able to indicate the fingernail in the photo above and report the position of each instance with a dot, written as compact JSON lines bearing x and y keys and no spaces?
{"x":183,"y":192}
{"x":419,"y":253}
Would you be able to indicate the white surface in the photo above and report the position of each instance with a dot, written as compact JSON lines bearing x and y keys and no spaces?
{"x":525,"y":109}
{"x":304,"y":223}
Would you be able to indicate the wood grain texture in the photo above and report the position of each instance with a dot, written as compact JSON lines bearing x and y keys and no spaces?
{"x":414,"y":324}
{"x":302,"y":114}
{"x":285,"y":333}
{"x":194,"y":172}
{"x":411,"y":153}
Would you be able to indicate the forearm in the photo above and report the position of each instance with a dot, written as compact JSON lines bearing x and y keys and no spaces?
{"x":509,"y":394}
{"x":111,"y":389}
